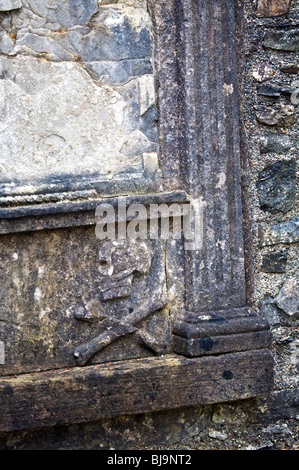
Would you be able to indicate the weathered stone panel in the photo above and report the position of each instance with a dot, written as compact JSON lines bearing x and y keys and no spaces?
{"x":78,"y":98}
{"x":51,"y":306}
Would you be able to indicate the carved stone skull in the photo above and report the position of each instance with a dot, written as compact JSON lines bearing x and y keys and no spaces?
{"x":119,"y":262}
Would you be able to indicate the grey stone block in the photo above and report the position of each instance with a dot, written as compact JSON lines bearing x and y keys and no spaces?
{"x":7,"y":5}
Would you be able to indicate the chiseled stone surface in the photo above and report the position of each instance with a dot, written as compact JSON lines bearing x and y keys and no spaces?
{"x":77,"y":95}
{"x":56,"y":120}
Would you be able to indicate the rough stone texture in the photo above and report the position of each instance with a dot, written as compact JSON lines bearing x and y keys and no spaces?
{"x":276,"y":186}
{"x":6,"y":5}
{"x":282,"y":232}
{"x":285,"y":40}
{"x":273,"y":91}
{"x":269,"y":310}
{"x":290,"y":68}
{"x":288,"y":299}
{"x":216,"y":279}
{"x":274,"y":262}
{"x":221,"y":283}
{"x":275,"y":143}
{"x":57,"y":126}
{"x":112,"y":41}
{"x":262,"y":71}
{"x":275,"y":115}
{"x":268,"y":229}
{"x":269,"y":8}
{"x":271,"y":229}
{"x":78,"y":96}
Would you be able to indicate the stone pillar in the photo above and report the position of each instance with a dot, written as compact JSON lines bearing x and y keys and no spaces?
{"x":196,"y":49}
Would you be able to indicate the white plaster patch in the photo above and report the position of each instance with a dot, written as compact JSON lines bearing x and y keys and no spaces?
{"x":228,"y":88}
{"x":37,"y":294}
{"x":221,"y":180}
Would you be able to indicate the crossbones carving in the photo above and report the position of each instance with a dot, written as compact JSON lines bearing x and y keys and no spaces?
{"x":119,"y":263}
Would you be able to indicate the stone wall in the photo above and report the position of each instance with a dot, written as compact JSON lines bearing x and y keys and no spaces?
{"x":270,"y":105}
{"x":270,"y":149}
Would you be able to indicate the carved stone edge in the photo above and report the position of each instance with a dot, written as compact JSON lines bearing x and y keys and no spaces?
{"x":85,"y":186}
{"x":208,"y":345}
{"x":220,"y":332}
{"x":79,"y":395}
{"x":72,"y":213}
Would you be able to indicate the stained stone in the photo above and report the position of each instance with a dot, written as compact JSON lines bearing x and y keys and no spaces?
{"x":73,"y":123}
{"x":58,"y":306}
{"x":119,"y":73}
{"x":6,"y":44}
{"x":113,"y":43}
{"x":274,"y":262}
{"x":276,"y":143}
{"x":283,"y":40}
{"x":290,"y":68}
{"x":69,"y":299}
{"x":269,"y":8}
{"x":276,"y":186}
{"x":34,"y":44}
{"x":78,"y":77}
{"x":7,"y":5}
{"x":288,"y":299}
{"x":67,"y":13}
{"x":262,"y":71}
{"x":221,"y":436}
{"x":283,"y":232}
{"x":115,"y":36}
{"x":73,"y":12}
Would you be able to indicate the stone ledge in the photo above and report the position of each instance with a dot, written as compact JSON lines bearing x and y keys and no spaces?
{"x":85,"y":394}
{"x":220,"y":332}
{"x":72,"y":213}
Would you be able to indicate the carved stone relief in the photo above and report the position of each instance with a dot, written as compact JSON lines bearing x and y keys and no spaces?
{"x":119,"y":263}
{"x":66,"y":295}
